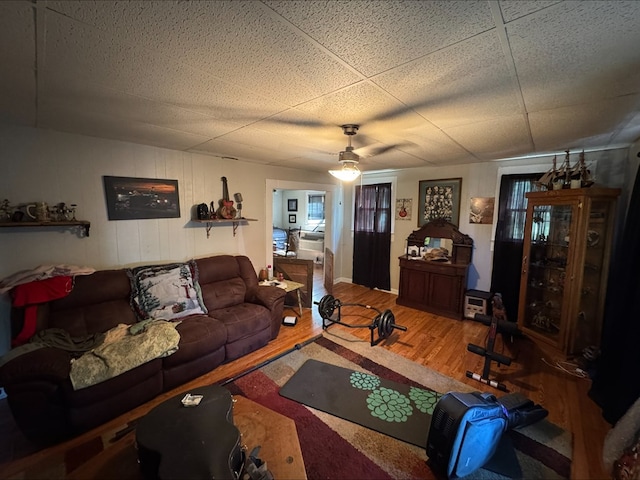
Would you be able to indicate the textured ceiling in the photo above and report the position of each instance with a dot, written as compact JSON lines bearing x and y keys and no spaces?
{"x":442,"y":82}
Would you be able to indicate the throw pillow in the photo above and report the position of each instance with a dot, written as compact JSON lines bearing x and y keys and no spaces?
{"x":166,"y":292}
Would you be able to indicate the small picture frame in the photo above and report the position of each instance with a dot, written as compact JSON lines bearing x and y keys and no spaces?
{"x":292,"y":218}
{"x":292,"y":205}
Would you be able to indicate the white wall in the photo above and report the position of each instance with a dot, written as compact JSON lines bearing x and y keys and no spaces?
{"x":478,"y":180}
{"x":301,"y":197}
{"x":40,"y":165}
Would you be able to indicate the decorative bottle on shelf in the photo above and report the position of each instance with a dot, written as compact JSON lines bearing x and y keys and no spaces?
{"x":263,"y":275}
{"x":269,"y":272}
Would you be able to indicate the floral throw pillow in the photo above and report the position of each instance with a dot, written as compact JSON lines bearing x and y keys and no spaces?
{"x":166,"y":292}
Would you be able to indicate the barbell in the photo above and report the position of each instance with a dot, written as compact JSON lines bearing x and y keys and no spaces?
{"x":384,"y":322}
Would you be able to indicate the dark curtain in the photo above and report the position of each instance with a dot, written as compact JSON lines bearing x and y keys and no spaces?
{"x":615,"y":385}
{"x":509,"y":241}
{"x":372,"y":236}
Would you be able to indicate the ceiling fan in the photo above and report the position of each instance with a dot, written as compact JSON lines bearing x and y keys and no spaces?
{"x":348,"y":158}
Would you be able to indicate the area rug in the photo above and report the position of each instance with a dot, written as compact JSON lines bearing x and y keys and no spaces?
{"x":336,"y":448}
{"x":332,"y":448}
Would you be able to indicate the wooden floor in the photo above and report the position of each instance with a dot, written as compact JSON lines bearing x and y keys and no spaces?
{"x":440,"y":344}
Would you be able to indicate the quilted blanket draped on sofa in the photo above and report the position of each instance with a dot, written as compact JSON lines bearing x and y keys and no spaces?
{"x":124,"y":349}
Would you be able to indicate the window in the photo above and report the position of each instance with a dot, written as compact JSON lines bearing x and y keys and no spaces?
{"x":509,"y":240}
{"x":315,"y":208}
{"x":373,"y":208}
{"x":513,"y":206}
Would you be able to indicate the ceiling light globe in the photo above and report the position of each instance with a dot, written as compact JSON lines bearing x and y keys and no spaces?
{"x":348,"y":173}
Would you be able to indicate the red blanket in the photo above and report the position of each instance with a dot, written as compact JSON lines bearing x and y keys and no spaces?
{"x":29,"y":295}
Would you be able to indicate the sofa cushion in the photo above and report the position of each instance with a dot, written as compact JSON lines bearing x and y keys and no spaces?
{"x":199,"y":336}
{"x":113,"y":386}
{"x":166,"y":292}
{"x":116,"y":402}
{"x":224,"y":294}
{"x":243,"y":320}
{"x":217,"y":268}
{"x":97,"y":303}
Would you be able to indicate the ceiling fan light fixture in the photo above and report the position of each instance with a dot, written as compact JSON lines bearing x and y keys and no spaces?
{"x":348,"y":158}
{"x":348,"y":173}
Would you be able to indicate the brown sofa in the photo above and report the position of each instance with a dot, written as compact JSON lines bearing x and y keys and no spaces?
{"x":242,"y":317}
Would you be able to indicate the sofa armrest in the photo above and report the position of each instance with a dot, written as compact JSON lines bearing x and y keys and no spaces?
{"x":273,"y":299}
{"x":44,"y":364}
{"x":34,"y":383}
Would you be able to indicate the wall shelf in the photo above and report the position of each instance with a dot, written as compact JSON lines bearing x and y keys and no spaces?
{"x":234,"y":221}
{"x":83,"y":224}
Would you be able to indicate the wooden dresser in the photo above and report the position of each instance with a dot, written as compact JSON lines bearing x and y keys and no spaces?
{"x":435,"y":286}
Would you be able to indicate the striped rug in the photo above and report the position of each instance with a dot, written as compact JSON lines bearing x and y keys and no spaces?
{"x":334,"y":448}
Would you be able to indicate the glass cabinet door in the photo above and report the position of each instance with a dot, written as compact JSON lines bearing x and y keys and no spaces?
{"x":546,"y":278}
{"x":565,"y":264}
{"x":594,"y":270}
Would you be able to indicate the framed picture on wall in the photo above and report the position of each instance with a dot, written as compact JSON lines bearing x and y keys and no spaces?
{"x":403,"y":208}
{"x":130,"y":198}
{"x":439,"y":199}
{"x":481,"y":210}
{"x":292,"y":218}
{"x":292,"y":205}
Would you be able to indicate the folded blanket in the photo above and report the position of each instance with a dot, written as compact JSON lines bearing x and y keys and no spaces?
{"x":157,"y":339}
{"x":40,"y":273}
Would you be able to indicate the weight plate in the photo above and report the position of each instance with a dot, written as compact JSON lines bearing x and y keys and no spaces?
{"x":326,"y":306}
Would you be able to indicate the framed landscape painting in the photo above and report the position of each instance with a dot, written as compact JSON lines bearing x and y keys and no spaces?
{"x":130,"y":198}
{"x":439,"y":199}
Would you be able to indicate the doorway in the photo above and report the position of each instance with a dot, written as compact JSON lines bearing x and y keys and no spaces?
{"x":331,"y":227}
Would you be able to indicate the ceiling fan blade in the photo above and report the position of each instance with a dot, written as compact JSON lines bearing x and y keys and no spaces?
{"x":386,"y":148}
{"x":371,"y":151}
{"x":296,"y":123}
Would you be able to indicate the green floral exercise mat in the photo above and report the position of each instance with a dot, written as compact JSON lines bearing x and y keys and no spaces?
{"x":395,"y":409}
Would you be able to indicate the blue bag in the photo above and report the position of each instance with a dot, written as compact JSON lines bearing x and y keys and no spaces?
{"x":465,"y":431}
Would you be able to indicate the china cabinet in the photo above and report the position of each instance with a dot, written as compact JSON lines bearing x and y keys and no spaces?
{"x":565,"y":262}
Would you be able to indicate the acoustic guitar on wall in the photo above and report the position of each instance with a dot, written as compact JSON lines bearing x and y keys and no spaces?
{"x":226,"y":210}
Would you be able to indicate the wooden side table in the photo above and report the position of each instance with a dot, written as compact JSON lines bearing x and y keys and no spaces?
{"x":291,"y":286}
{"x":287,"y":286}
